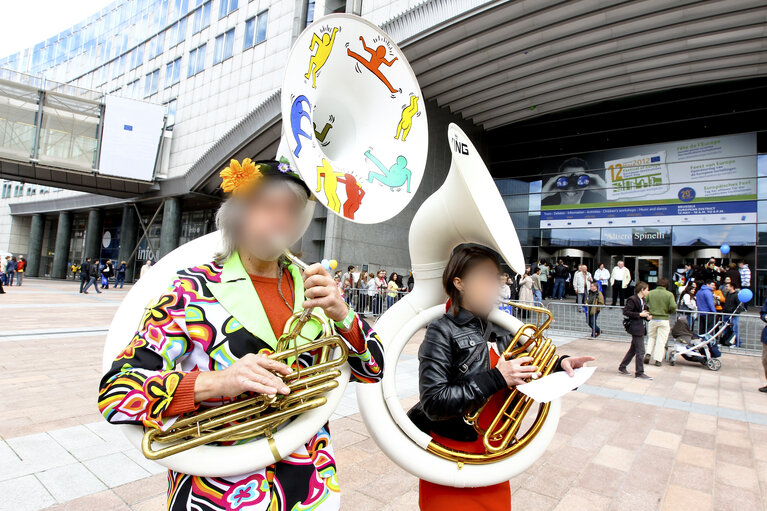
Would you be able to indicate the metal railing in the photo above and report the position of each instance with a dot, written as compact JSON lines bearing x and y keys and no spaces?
{"x":571,"y":320}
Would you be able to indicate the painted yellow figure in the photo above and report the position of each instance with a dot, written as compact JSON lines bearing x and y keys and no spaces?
{"x":316,"y":61}
{"x":406,"y":122}
{"x":331,"y":184}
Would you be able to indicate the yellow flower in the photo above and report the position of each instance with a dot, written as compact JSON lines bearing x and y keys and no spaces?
{"x":237,"y":178}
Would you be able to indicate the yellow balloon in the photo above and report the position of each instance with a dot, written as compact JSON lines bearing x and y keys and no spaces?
{"x":333,"y":264}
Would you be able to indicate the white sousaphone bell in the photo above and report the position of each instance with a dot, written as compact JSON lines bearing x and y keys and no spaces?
{"x":468,"y":208}
{"x":355,"y":130}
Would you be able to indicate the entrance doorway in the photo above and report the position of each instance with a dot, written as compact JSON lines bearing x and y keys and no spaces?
{"x":645,"y":268}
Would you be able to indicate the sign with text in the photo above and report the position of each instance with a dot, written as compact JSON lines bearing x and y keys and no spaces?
{"x":692,"y":182}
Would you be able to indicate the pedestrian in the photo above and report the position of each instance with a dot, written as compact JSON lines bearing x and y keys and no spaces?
{"x":362,"y":291}
{"x":392,"y":288}
{"x":560,"y":274}
{"x":538,"y":286}
{"x":661,"y":304}
{"x":526,"y":287}
{"x":602,"y":278}
{"x":106,"y":273}
{"x":84,"y":273}
{"x":3,"y":264}
{"x":763,"y":316}
{"x":620,"y":279}
{"x":145,"y":268}
{"x":581,"y":282}
{"x":687,"y":303}
{"x":410,"y":282}
{"x":339,"y":285}
{"x":505,"y":289}
{"x":121,"y":274}
{"x":20,"y":267}
{"x":745,"y":275}
{"x":704,"y":297}
{"x":594,"y":300}
{"x":731,"y":309}
{"x":734,"y":274}
{"x":10,"y":269}
{"x":93,"y":274}
{"x":346,"y":291}
{"x":543,"y":275}
{"x":381,"y":286}
{"x":372,"y":291}
{"x":636,"y":314}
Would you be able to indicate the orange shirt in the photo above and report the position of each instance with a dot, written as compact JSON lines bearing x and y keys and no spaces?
{"x":279,"y":313}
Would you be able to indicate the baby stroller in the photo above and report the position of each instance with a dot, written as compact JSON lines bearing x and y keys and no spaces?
{"x":703,"y":349}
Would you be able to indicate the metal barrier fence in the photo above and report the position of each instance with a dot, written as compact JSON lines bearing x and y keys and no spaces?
{"x":571,"y":319}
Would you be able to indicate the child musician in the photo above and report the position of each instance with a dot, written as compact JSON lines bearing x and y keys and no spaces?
{"x":460,"y":369}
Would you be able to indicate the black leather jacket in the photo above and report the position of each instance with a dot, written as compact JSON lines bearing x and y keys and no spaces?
{"x":455,"y":376}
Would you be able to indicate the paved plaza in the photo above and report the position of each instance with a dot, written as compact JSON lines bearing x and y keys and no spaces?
{"x":691,"y":439}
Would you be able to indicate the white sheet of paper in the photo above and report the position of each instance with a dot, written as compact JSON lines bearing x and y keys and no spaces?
{"x":555,"y":385}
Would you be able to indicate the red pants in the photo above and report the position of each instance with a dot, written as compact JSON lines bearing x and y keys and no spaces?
{"x":435,"y":497}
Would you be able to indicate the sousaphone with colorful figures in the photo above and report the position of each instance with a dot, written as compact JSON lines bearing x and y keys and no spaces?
{"x":354,"y":129}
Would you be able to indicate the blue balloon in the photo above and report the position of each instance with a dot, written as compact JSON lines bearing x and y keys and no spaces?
{"x":325,"y":264}
{"x":725,"y":249}
{"x":745,"y":295}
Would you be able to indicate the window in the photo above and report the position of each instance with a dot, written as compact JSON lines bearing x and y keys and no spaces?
{"x":196,"y":61}
{"x":6,"y":190}
{"x":224,"y":46}
{"x":137,"y":56}
{"x":201,"y":18}
{"x":17,"y":191}
{"x":152,"y":82}
{"x":31,"y":191}
{"x":156,"y":45}
{"x":118,"y":66}
{"x":226,"y":7}
{"x":310,"y":12}
{"x":132,"y":89}
{"x":171,"y":113}
{"x":173,"y":72}
{"x":255,"y":31}
{"x":177,"y":33}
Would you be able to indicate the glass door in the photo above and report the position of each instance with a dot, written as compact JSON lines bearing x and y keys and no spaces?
{"x":649,"y":269}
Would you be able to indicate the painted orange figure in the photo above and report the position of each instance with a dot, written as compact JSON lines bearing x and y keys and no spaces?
{"x":377,"y":57}
{"x":354,"y":195}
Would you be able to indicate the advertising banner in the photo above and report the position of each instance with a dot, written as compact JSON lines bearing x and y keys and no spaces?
{"x":692,"y":182}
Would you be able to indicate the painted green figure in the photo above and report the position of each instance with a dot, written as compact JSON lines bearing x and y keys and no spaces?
{"x":394,"y":176}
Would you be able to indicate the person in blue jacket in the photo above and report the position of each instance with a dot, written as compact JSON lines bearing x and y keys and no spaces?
{"x":763,"y":315}
{"x":705,"y":300}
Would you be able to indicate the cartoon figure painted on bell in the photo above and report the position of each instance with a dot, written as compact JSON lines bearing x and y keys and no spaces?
{"x":297,"y":112}
{"x":316,"y":61}
{"x":406,"y":122}
{"x":325,"y":172}
{"x":377,"y":57}
{"x":394,"y":176}
{"x":354,"y":195}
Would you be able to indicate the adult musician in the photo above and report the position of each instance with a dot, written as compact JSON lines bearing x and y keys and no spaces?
{"x":206,"y":340}
{"x":460,"y":369}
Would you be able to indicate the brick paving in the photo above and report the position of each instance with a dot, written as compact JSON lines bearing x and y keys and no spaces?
{"x":691,"y":439}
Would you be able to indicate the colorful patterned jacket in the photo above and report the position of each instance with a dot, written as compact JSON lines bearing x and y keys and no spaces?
{"x":211,"y":317}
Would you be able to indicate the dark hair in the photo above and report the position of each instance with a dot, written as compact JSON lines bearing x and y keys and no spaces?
{"x":663,"y":282}
{"x":709,"y":281}
{"x":350,"y":268}
{"x":641,"y":285}
{"x":579,"y":163}
{"x":463,"y":259}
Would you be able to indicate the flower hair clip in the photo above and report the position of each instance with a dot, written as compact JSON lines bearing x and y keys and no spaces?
{"x":239,"y":177}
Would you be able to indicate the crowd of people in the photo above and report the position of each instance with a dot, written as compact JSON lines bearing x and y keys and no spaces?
{"x":372,"y":293}
{"x":99,"y":274}
{"x":10,"y":267}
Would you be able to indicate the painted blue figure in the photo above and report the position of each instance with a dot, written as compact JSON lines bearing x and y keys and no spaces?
{"x":394,"y":176}
{"x":297,"y":112}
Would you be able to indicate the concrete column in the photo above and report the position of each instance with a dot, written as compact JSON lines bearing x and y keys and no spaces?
{"x":93,"y":234}
{"x":171,"y":226}
{"x":61,"y":251}
{"x":128,"y":236}
{"x":35,"y":245}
